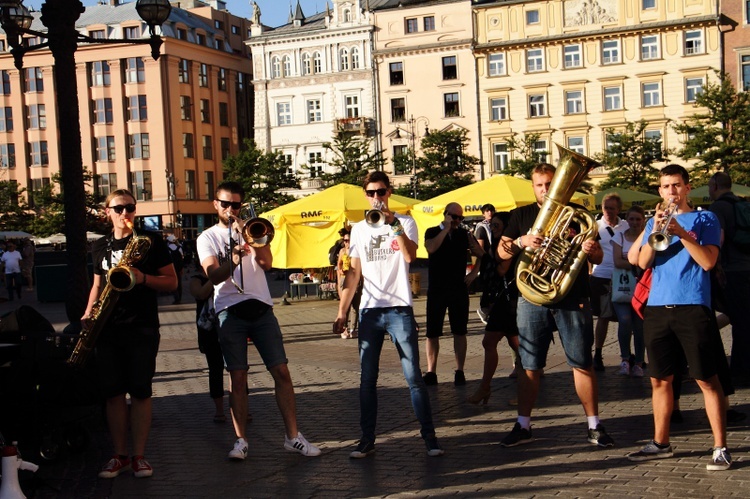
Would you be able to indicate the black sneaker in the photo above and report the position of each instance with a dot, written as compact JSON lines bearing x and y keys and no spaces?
{"x":433,"y":447}
{"x":651,"y":451}
{"x":599,"y":437}
{"x":430,"y":378}
{"x":598,"y":362}
{"x":459,"y":379}
{"x":364,"y":449}
{"x":517,"y":436}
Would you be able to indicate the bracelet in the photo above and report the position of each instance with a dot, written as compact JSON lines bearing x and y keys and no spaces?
{"x":396,"y":223}
{"x":518,"y":243}
{"x":398,"y":232}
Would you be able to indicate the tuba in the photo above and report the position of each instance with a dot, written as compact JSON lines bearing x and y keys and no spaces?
{"x":120,"y":279}
{"x":545,"y":275}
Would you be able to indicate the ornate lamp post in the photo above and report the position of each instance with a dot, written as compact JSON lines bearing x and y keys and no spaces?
{"x":62,"y":38}
{"x":413,"y":124}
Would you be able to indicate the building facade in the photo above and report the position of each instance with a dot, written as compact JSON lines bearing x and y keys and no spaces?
{"x":735,"y":27}
{"x":159,"y":128}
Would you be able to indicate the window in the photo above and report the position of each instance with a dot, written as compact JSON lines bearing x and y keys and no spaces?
{"x":652,"y":135}
{"x":138,"y":147}
{"x":105,"y":183}
{"x":103,"y":110}
{"x":38,"y":153}
{"x":235,"y":29}
{"x":186,"y":108}
{"x":398,"y":110}
{"x":37,"y":185}
{"x":347,"y":16}
{"x":105,"y":148}
{"x":7,"y":155}
{"x":183,"y":71}
{"x":200,"y":39}
{"x":693,"y":86}
{"x":208,"y":182}
{"x":532,"y":17}
{"x":36,"y":116}
{"x":496,"y":64}
{"x":498,"y":109}
{"x":137,"y":108}
{"x":275,"y":68}
{"x":315,"y":164}
{"x":429,"y":23}
{"x":189,"y":184}
{"x":401,"y":160}
{"x":225,"y":150}
{"x":649,"y":47}
{"x":536,"y":106}
{"x":575,"y":144}
{"x":612,"y":98}
{"x":693,"y":42}
{"x":188,"y":149}
{"x":648,"y":4}
{"x":344,"y":59}
{"x":223,"y":114}
{"x":205,"y":111}
{"x":134,"y":70}
{"x":351,"y":105}
{"x":6,"y":119}
{"x":140,"y":185}
{"x":412,"y":25}
{"x":132,"y":32}
{"x":314,"y":111}
{"x":203,"y":75}
{"x":572,"y":56}
{"x":396,"y":70}
{"x":355,"y":58}
{"x":500,"y":156}
{"x":208,"y":148}
{"x":5,"y":82}
{"x":451,"y":105}
{"x":574,"y":102}
{"x":97,"y":34}
{"x":306,"y":64}
{"x":100,"y":76}
{"x":222,"y":79}
{"x":450,"y":72}
{"x":219,"y":24}
{"x":651,"y":94}
{"x":181,"y":34}
{"x":283,"y":113}
{"x":317,"y":63}
{"x":534,"y":60}
{"x":540,"y":150}
{"x":287,"y":65}
{"x":33,"y":81}
{"x":610,"y":51}
{"x":745,"y":64}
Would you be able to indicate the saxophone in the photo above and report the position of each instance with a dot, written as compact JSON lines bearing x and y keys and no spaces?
{"x":120,"y":279}
{"x":545,"y":275}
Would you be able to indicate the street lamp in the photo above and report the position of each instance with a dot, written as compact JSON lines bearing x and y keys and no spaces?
{"x":62,"y":38}
{"x":413,"y":124}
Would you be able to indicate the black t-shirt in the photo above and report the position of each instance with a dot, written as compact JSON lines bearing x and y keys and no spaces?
{"x":732,"y":258}
{"x":447,"y":265}
{"x":137,"y":307}
{"x":521,"y":220}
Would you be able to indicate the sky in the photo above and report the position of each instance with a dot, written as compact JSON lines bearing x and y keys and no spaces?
{"x":273,"y":12}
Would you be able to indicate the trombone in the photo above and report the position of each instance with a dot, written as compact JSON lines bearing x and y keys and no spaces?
{"x":256,"y":232}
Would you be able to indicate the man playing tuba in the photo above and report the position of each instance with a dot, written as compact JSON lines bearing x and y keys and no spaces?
{"x":571,"y":316}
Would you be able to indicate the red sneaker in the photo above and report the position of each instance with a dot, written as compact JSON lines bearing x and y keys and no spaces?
{"x":141,"y":468}
{"x":114,"y":467}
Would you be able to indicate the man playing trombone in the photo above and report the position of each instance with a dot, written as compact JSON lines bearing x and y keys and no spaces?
{"x":244,"y":306}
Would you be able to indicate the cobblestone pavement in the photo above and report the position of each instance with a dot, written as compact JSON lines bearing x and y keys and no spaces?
{"x":189,"y":451}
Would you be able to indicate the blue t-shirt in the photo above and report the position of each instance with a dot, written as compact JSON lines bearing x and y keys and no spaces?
{"x":677,"y":278}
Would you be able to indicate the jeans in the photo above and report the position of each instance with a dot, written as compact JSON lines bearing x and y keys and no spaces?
{"x":13,"y":282}
{"x":628,"y":322}
{"x":399,"y":322}
{"x":736,"y":295}
{"x":536,"y":325}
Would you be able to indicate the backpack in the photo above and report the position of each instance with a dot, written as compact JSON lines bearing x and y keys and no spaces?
{"x":741,"y":237}
{"x":333,"y":252}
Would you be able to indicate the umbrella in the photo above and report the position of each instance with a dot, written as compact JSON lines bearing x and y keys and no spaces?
{"x":14,"y":234}
{"x":699,"y":196}
{"x":93,"y":236}
{"x":308,"y":227}
{"x":629,"y":198}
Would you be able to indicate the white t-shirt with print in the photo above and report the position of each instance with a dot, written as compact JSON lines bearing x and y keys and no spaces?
{"x":384,"y":270}
{"x":605,"y":269}
{"x":214,"y":241}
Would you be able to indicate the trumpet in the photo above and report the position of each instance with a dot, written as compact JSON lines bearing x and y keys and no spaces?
{"x":256,"y":232}
{"x":375,"y":217}
{"x":660,"y":239}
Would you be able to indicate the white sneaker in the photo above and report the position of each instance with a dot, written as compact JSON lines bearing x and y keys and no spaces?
{"x":239,"y":452}
{"x":637,"y":371}
{"x":482,"y":315}
{"x":624,"y":368}
{"x":301,"y":445}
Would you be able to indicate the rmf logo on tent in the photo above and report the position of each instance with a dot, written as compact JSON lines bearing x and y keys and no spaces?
{"x":473,"y":207}
{"x":311,"y":214}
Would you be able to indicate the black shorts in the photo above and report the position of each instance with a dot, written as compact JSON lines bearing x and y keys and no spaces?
{"x":126,"y":361}
{"x":688,"y":328}
{"x":457,"y":304}
{"x":601,"y":298}
{"x":502,"y":318}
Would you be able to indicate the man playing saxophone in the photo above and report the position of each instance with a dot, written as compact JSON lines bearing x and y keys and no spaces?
{"x":571,"y":317}
{"x":127,"y":347}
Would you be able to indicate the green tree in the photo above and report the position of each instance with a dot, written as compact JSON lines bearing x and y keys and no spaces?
{"x":352,"y":157}
{"x":718,"y":136}
{"x":630,"y":158}
{"x":444,"y":165}
{"x":525,"y":155}
{"x":13,"y":207}
{"x":262,"y":175}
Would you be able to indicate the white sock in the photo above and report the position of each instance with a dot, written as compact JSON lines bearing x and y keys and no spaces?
{"x":525,"y":422}
{"x":593,"y":422}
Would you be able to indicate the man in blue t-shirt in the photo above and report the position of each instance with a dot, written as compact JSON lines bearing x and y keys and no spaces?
{"x":679,"y":316}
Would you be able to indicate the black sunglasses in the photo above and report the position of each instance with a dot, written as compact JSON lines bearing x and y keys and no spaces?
{"x":456,"y":217}
{"x":130,"y":208}
{"x":379,"y":192}
{"x":346,"y":240}
{"x":236,"y":205}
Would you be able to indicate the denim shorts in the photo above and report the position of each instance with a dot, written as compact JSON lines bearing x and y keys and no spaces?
{"x":264,"y":332}
{"x":535,"y":328}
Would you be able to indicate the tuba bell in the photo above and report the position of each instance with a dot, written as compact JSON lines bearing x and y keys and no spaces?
{"x":545,"y":275}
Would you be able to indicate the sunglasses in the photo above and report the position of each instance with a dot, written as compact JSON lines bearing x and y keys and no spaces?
{"x":346,"y":240}
{"x":379,"y":192}
{"x":130,"y":208}
{"x":456,"y":217}
{"x":236,"y":205}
